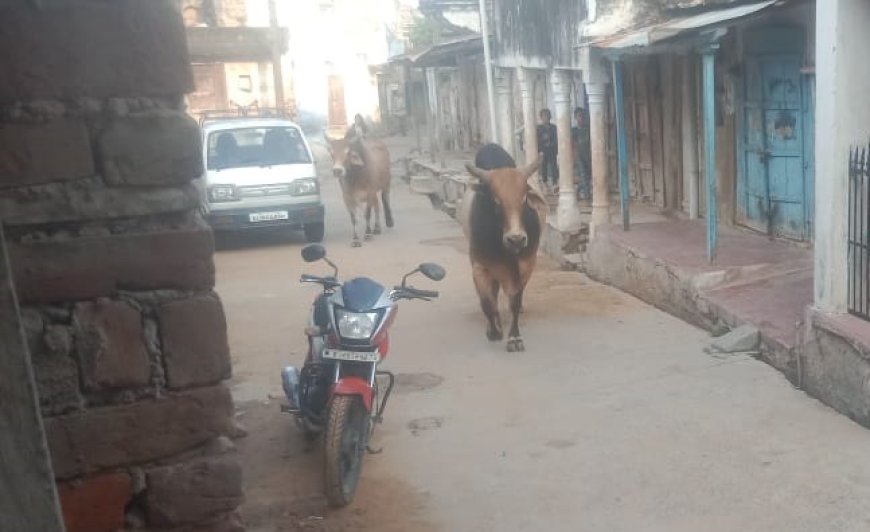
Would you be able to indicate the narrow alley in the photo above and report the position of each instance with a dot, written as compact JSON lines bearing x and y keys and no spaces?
{"x":615,"y":418}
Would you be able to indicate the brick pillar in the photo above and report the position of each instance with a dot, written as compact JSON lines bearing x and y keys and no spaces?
{"x":113,"y":264}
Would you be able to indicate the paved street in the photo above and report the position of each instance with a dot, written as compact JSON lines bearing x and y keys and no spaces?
{"x":614,"y":419}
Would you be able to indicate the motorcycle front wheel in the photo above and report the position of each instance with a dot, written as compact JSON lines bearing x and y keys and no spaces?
{"x":345,"y":443}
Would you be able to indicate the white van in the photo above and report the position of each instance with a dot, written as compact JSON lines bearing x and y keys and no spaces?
{"x":260,"y":172}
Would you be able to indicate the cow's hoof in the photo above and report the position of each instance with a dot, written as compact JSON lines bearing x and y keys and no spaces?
{"x":515,"y":345}
{"x":494,"y":335}
{"x":368,"y":237}
{"x":356,"y":244}
{"x":377,"y":231}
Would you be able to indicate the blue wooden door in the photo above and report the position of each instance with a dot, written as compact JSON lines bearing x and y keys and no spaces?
{"x":773,"y":195}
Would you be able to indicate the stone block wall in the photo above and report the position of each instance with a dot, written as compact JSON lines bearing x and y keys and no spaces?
{"x":113,"y":266}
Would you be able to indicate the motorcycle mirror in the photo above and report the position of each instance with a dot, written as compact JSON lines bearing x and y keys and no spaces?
{"x":432,"y":271}
{"x":313,"y":252}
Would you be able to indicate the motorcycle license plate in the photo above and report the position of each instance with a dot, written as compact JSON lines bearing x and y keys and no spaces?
{"x":352,"y":356}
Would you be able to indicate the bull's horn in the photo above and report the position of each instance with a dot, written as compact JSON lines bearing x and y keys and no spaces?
{"x":533,"y":166}
{"x":483,"y":175}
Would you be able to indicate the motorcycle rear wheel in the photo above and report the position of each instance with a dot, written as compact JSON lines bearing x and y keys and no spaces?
{"x":345,"y":442}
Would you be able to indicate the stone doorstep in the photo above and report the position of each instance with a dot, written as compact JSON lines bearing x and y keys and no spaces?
{"x":851,"y":328}
{"x":779,"y":349}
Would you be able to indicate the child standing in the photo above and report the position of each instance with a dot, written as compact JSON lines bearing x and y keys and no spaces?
{"x":548,"y":147}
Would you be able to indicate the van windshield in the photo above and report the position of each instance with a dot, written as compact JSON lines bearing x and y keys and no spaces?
{"x":256,"y":146}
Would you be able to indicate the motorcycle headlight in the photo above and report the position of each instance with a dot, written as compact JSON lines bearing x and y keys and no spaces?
{"x":305,"y":187}
{"x":356,"y":325}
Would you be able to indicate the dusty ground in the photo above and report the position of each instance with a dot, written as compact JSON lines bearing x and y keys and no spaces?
{"x":614,"y":419}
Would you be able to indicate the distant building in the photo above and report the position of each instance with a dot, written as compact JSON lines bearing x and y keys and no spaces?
{"x":231,"y":60}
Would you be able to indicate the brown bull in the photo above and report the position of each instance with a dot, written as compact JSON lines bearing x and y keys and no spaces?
{"x":502,"y":216}
{"x":362,"y":166}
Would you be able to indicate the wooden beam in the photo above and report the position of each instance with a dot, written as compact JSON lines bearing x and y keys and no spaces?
{"x":709,"y":55}
{"x":622,"y":150}
{"x":29,"y":500}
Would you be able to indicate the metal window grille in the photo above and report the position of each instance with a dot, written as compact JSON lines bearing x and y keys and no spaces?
{"x":859,"y":233}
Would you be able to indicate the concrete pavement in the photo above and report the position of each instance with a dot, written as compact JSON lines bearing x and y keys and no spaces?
{"x":614,"y":419}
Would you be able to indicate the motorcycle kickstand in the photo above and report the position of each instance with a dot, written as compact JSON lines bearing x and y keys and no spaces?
{"x":372,"y":433}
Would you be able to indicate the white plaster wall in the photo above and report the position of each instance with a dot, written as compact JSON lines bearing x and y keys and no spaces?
{"x":842,"y":121}
{"x":344,"y":40}
{"x":466,"y":19}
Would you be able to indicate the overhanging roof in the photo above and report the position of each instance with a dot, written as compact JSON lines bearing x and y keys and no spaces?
{"x":649,"y":35}
{"x":444,"y":53}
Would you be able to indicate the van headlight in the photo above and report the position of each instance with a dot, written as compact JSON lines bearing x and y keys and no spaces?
{"x":218,"y":193}
{"x":305,"y":187}
{"x":356,"y":325}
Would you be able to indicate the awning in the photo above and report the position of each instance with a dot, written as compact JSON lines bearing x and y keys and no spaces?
{"x":444,"y":53}
{"x":646,"y":36}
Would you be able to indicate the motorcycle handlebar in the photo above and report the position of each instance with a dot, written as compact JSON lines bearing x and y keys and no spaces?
{"x":416,"y":293}
{"x":326,"y":281}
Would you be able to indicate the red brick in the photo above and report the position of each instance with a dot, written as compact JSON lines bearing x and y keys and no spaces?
{"x":92,"y":267}
{"x":98,"y":49}
{"x":95,"y":504}
{"x":108,"y":437}
{"x":110,"y":345}
{"x":151,"y":150}
{"x":194,"y":491}
{"x":40,"y":153}
{"x":194,"y":336}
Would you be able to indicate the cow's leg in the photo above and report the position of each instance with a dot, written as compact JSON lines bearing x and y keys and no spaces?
{"x":527,"y":266}
{"x":487,"y":290}
{"x":388,"y":211}
{"x":368,"y":235}
{"x":377,"y":206}
{"x":369,"y":206}
{"x":515,"y":340}
{"x":515,"y":292}
{"x":351,"y":209}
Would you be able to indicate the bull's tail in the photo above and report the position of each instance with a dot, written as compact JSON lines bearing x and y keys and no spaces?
{"x":388,"y":212}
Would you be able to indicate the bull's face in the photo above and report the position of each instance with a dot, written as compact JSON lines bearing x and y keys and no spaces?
{"x":345,"y":156}
{"x":510,"y":191}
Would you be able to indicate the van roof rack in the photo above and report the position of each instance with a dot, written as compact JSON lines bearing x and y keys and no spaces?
{"x":214,"y":115}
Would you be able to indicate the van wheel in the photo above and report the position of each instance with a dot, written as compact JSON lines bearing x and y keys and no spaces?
{"x":314,"y":232}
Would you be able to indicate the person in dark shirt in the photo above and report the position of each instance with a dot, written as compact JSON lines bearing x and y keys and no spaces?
{"x":548,"y":147}
{"x":582,"y":153}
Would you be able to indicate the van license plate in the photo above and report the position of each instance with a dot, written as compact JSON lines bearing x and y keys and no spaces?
{"x":268,"y":216}
{"x":352,"y":356}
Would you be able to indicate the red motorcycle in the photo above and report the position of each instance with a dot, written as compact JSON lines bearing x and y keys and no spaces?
{"x":340,"y":392}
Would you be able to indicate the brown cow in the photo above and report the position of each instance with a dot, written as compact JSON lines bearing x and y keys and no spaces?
{"x":362,"y":166}
{"x":502,"y":216}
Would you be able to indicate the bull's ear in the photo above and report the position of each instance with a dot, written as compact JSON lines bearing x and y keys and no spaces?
{"x":532,"y":167}
{"x":483,"y":175}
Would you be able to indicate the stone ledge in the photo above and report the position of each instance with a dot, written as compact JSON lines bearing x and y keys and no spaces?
{"x":850,"y":328}
{"x":110,"y":345}
{"x":104,"y":438}
{"x":194,"y":337}
{"x":153,"y":149}
{"x":40,"y":153}
{"x":89,"y":199}
{"x":92,"y":267}
{"x":194,"y":491}
{"x":119,"y":48}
